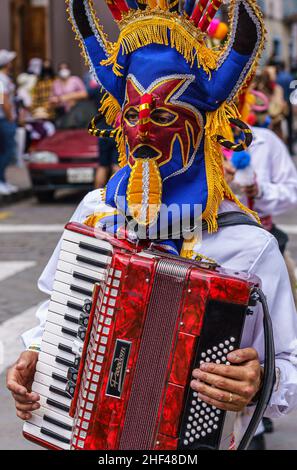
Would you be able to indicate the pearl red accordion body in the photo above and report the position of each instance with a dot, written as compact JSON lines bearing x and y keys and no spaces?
{"x":115,"y":373}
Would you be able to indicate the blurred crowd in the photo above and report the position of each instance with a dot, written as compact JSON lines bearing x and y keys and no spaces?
{"x":37,"y":103}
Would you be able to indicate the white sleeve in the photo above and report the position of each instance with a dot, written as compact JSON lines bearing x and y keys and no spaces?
{"x":32,"y":338}
{"x":271,"y":268}
{"x":278,"y":181}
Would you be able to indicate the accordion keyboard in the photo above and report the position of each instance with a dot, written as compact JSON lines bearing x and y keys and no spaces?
{"x":83,"y":262}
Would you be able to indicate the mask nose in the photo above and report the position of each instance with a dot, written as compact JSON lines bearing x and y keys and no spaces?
{"x":145,"y":151}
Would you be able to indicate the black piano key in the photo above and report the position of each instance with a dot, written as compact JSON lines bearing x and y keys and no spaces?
{"x":59,"y":378}
{"x":69,"y":332}
{"x":65,"y":348}
{"x":74,"y":306}
{"x":64,"y":362}
{"x":52,"y":434}
{"x":81,"y":290}
{"x":92,"y":262}
{"x":71,"y":319}
{"x":58,"y":405}
{"x":95,"y":249}
{"x":60,"y":424}
{"x":84,"y":277}
{"x":58,"y":391}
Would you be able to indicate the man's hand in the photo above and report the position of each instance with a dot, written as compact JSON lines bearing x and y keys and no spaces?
{"x":19,"y":381}
{"x":229,"y":171}
{"x":229,"y":387}
{"x":251,"y":191}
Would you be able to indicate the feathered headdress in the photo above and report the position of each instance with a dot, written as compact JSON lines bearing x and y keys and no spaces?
{"x":161,"y":61}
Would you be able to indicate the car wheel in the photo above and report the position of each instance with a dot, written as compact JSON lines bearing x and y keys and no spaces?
{"x":45,"y":196}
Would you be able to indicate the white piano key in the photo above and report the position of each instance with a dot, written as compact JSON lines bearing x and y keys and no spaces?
{"x":68,"y":331}
{"x":49,"y":370}
{"x":67,"y":420}
{"x":77,"y":250}
{"x":61,"y":358}
{"x":61,"y":321}
{"x":55,"y":339}
{"x":71,"y":258}
{"x":40,"y":422}
{"x":35,"y":431}
{"x":46,"y":380}
{"x":69,"y":279}
{"x":66,"y":290}
{"x":50,"y":360}
{"x":44,"y":390}
{"x":50,"y":378}
{"x":59,"y":297}
{"x":44,"y":404}
{"x":69,"y":268}
{"x":77,"y":238}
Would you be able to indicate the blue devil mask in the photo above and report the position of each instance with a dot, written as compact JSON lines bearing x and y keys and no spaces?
{"x":169,"y":97}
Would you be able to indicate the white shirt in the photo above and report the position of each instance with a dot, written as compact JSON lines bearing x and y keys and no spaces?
{"x":275,"y":172}
{"x":6,"y":87}
{"x":249,"y":249}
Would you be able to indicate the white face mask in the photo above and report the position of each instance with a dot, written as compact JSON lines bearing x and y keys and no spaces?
{"x":64,"y":74}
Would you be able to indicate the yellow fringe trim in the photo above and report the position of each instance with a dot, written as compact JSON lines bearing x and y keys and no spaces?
{"x":110,"y":108}
{"x":93,"y":220}
{"x":120,"y":141}
{"x":217,"y":123}
{"x":135,"y":192}
{"x":188,"y":251}
{"x":153,"y":28}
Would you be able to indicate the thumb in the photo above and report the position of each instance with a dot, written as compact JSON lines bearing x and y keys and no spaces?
{"x":23,"y":363}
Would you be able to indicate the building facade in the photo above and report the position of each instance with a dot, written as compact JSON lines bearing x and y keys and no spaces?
{"x":39,"y":28}
{"x":281,"y":24}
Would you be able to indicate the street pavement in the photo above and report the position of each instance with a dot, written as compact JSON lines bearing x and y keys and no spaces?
{"x":28,"y":235}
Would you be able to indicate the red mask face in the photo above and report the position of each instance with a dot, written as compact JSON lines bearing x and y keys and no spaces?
{"x":154,"y":120}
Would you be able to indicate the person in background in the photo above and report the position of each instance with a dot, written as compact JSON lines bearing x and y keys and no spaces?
{"x":39,"y":127}
{"x":43,"y":90}
{"x":272,"y":192}
{"x":7,"y":119}
{"x":68,"y":90}
{"x":107,"y":148}
{"x":93,"y":88}
{"x":35,"y":66}
{"x":266,"y":83}
{"x":285,"y":79}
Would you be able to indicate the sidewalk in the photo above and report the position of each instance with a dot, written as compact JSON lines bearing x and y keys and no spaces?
{"x":20,"y":178}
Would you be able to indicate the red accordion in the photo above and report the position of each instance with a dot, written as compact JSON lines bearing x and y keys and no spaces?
{"x":126,"y":327}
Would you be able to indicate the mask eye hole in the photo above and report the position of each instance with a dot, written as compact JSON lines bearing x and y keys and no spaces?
{"x":163,"y":117}
{"x":132,"y":116}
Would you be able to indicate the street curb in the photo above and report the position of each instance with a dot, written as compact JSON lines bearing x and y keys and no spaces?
{"x":16,"y":197}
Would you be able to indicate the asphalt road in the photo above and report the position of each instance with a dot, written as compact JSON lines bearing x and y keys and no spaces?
{"x":28,"y":235}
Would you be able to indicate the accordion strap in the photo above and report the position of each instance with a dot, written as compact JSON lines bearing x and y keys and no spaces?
{"x":233,"y":218}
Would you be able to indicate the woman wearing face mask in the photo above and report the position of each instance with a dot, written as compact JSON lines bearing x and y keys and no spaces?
{"x":68,"y":90}
{"x":42,"y":91}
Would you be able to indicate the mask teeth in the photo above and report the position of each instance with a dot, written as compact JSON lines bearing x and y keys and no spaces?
{"x":209,"y":15}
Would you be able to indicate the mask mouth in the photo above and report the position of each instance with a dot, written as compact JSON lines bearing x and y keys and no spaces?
{"x":145,"y":151}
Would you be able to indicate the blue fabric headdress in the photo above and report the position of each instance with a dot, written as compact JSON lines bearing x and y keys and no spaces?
{"x":169,"y":97}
